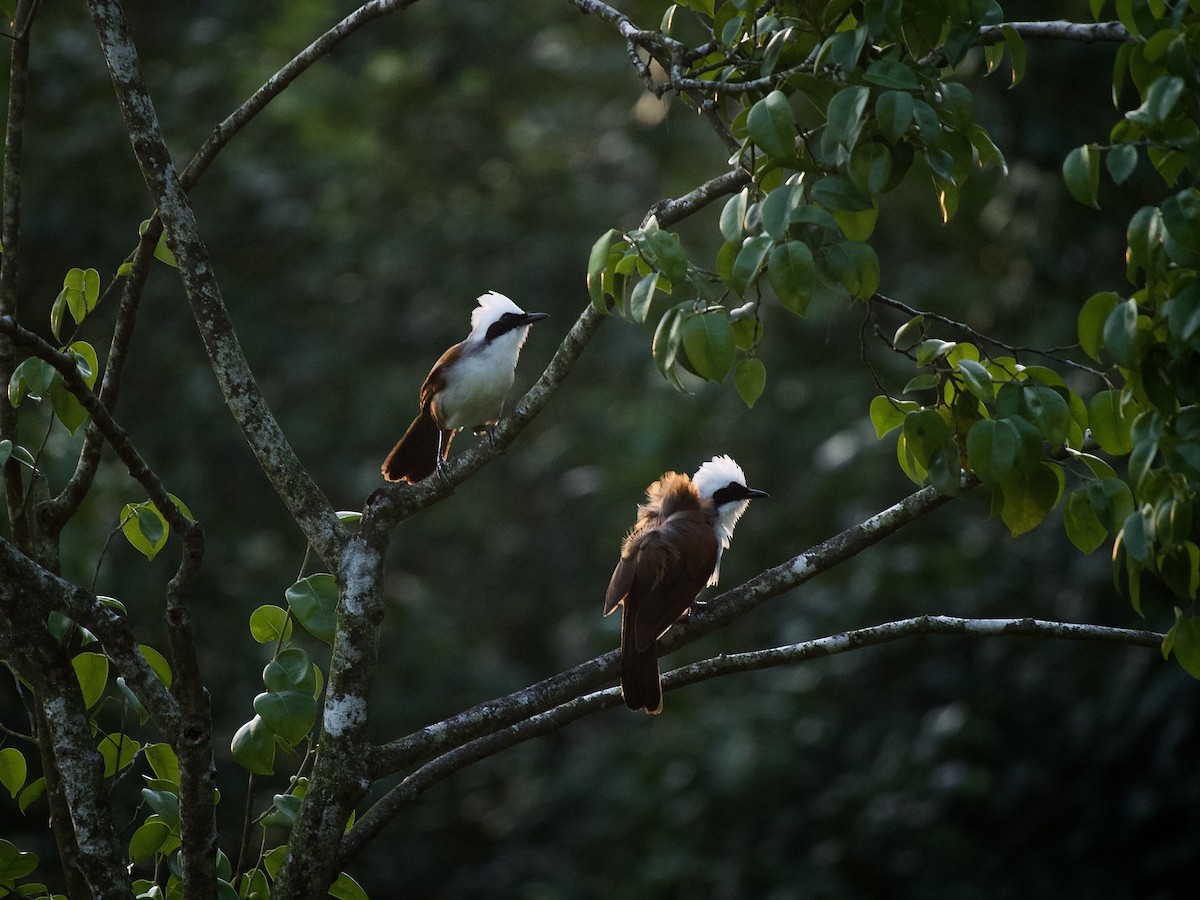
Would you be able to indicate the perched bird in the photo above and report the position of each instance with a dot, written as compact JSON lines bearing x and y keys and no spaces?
{"x":672,"y":553}
{"x":466,"y":387}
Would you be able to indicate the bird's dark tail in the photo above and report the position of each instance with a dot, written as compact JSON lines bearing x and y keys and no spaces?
{"x":641,"y":686}
{"x":415,"y":455}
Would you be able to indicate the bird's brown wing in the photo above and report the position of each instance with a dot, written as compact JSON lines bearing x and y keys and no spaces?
{"x":620,"y":583}
{"x":434,"y":382}
{"x":672,"y":565}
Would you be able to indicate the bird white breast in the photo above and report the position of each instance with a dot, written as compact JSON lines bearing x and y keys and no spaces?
{"x":476,"y":385}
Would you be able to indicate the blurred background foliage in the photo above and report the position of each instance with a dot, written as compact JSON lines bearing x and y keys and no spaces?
{"x":457,"y":148}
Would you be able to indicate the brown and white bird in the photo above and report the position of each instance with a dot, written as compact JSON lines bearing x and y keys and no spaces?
{"x":465,"y":388}
{"x":672,"y":553}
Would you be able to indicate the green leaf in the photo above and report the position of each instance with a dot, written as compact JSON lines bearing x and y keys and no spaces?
{"x":909,"y":333}
{"x":1121,"y":333}
{"x":844,"y":118}
{"x":13,"y":770}
{"x":270,"y":624}
{"x":158,"y":663}
{"x":1092,"y":317}
{"x":1081,"y":172}
{"x":292,"y":669}
{"x":750,"y":378}
{"x":855,"y":266}
{"x":889,"y":73}
{"x":772,"y":126}
{"x":792,"y":273}
{"x":777,"y":210}
{"x":597,"y":264}
{"x":1160,"y":101}
{"x":1109,"y":423}
{"x":66,"y":407}
{"x":668,"y":253}
{"x":1134,"y":537}
{"x":253,"y":747}
{"x":987,"y":150}
{"x":85,"y":361}
{"x":285,"y":808}
{"x":944,"y":472}
{"x":925,"y":431}
{"x":665,"y":345}
{"x":1122,"y":160}
{"x":1181,"y":221}
{"x":857,"y":226}
{"x":1029,"y":497}
{"x":163,"y":761}
{"x":144,"y":527}
{"x":346,"y":888}
{"x":931,"y":350}
{"x":1048,"y":411}
{"x":1183,"y":316}
{"x":748,"y":262}
{"x":978,"y":379}
{"x":888,"y":414}
{"x":894,"y":113}
{"x":14,"y":864}
{"x":91,"y":669}
{"x":1184,"y":641}
{"x":314,"y":603}
{"x":641,"y":298}
{"x":289,"y":714}
{"x":870,"y":168}
{"x":118,"y":751}
{"x":31,"y":793}
{"x":165,"y":805}
{"x":1016,"y":52}
{"x":33,"y":377}
{"x":6,"y":449}
{"x":923,"y":382}
{"x":148,"y":839}
{"x":1082,"y":525}
{"x":161,"y":251}
{"x":733,"y":216}
{"x":708,"y":341}
{"x":837,"y":192}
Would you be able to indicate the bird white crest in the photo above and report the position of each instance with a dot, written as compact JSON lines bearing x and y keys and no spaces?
{"x":492,"y":306}
{"x":719,"y":472}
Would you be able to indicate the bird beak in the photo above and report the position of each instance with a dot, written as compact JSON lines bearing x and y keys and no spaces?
{"x":530,"y":318}
{"x":753,"y":493}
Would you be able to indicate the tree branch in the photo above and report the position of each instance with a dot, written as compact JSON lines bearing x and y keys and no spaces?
{"x":1060,"y":30}
{"x":376,"y":818}
{"x":10,"y":240}
{"x":502,"y":712}
{"x":51,"y":592}
{"x":292,"y":483}
{"x":114,"y":434}
{"x":273,"y":86}
{"x":76,"y":762}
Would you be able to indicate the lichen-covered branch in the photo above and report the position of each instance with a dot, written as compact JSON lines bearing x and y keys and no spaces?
{"x":272,"y":87}
{"x":77,"y":764}
{"x":374,"y":820}
{"x":391,"y":505}
{"x":1059,"y":30}
{"x":340,"y":779}
{"x":292,"y":483}
{"x":714,"y":614}
{"x":10,"y":233}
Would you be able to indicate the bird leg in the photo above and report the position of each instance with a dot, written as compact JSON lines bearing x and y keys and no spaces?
{"x":439,"y":461}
